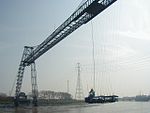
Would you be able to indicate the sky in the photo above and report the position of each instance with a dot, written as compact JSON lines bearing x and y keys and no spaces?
{"x":121,"y":47}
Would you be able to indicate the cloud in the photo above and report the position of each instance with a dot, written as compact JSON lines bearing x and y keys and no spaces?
{"x":137,"y":35}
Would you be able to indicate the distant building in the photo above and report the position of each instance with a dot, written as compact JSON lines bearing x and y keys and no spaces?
{"x":127,"y":99}
{"x":142,"y":98}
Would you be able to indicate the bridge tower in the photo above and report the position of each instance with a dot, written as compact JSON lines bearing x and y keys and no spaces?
{"x":27,"y":51}
{"x":79,"y":90}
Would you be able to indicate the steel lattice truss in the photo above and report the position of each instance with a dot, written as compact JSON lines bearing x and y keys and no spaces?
{"x":87,"y":11}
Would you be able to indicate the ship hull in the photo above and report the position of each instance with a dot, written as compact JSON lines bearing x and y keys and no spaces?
{"x":101,"y":99}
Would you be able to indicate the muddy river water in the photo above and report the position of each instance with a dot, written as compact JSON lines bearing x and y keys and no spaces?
{"x":118,"y":107}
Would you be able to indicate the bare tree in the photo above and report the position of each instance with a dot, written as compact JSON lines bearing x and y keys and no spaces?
{"x":3,"y":94}
{"x":54,"y":95}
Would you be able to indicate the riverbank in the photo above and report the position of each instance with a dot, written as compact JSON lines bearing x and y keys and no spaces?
{"x":45,"y":102}
{"x":53,"y":102}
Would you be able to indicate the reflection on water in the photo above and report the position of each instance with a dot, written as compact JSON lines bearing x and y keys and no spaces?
{"x":19,"y":110}
{"x":24,"y":110}
{"x":34,"y":110}
{"x":119,"y":107}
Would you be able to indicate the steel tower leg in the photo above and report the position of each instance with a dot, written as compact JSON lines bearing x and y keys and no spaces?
{"x":34,"y":84}
{"x":27,"y":50}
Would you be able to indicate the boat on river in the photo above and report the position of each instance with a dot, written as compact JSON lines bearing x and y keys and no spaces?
{"x":100,"y":99}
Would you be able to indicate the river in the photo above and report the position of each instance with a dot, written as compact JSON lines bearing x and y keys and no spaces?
{"x":118,"y":107}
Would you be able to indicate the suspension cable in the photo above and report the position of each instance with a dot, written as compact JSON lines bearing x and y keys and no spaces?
{"x":93,"y":55}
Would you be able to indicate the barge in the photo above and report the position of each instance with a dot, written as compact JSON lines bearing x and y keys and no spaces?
{"x":100,"y":99}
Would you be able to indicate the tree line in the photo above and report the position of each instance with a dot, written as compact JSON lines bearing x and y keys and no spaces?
{"x":53,"y":95}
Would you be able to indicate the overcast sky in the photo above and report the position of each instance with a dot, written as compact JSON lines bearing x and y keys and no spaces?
{"x":122,"y":41}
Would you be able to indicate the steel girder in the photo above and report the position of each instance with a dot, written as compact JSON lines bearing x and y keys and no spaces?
{"x":82,"y":15}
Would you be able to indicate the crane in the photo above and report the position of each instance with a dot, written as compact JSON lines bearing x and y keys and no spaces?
{"x":86,"y":12}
